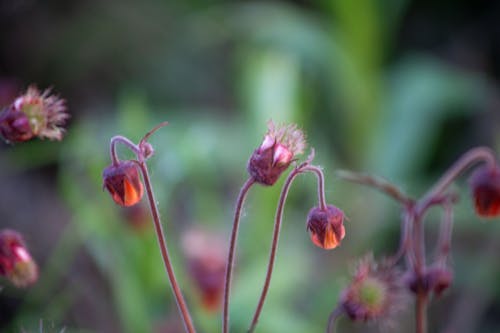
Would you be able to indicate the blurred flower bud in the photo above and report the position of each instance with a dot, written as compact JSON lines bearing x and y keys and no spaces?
{"x":326,"y":227}
{"x":206,"y":258}
{"x":435,"y":278}
{"x":123,"y":183}
{"x":277,"y":151}
{"x":485,"y":186}
{"x":33,"y":114}
{"x":374,"y":293}
{"x":15,"y":261}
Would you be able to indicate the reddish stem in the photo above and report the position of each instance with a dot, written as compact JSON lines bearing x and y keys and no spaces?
{"x":232,"y":246}
{"x":121,"y":139}
{"x":421,"y":312}
{"x":277,"y":228}
{"x":181,"y":303}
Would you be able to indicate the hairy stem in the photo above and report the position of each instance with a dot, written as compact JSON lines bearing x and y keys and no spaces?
{"x":277,"y":228}
{"x":274,"y":246}
{"x":232,"y":247}
{"x":181,"y":303}
{"x":473,"y":156}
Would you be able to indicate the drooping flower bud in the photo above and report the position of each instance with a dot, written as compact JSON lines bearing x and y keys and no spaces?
{"x":326,"y":227}
{"x":436,"y":278}
{"x":123,"y":183}
{"x":485,"y":186}
{"x":33,"y":114}
{"x":374,"y":293}
{"x":15,"y":261}
{"x":206,"y":257}
{"x":278,"y":149}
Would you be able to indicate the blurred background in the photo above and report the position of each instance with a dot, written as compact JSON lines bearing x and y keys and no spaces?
{"x":395,"y":88}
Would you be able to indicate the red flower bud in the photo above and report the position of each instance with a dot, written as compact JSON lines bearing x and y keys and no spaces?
{"x":123,"y":183}
{"x":33,"y":114}
{"x":485,"y":186}
{"x":15,"y":261}
{"x":326,"y":227}
{"x":277,"y":151}
{"x":435,"y":278}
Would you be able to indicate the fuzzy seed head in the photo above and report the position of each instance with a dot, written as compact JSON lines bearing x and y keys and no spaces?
{"x":280,"y":146}
{"x":34,"y":114}
{"x":485,"y":188}
{"x":123,"y":183}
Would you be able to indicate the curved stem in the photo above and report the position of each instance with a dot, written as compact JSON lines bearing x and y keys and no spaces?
{"x":232,"y":246}
{"x":333,"y":318}
{"x":181,"y":303}
{"x":471,"y":157}
{"x":112,"y":148}
{"x":321,"y":183}
{"x":274,"y":245}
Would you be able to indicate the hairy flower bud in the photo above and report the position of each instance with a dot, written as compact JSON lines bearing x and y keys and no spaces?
{"x":485,"y":186}
{"x":277,"y":151}
{"x":374,"y":292}
{"x":123,"y":183}
{"x":326,"y":227}
{"x":33,"y":114}
{"x":206,"y":258}
{"x":15,"y":261}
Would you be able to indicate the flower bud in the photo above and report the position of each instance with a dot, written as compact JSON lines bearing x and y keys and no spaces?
{"x":435,"y":278}
{"x":15,"y":261}
{"x":123,"y":183}
{"x":206,"y":258}
{"x":277,"y":151}
{"x":374,"y":292}
{"x":326,"y":227}
{"x":485,"y":186}
{"x":33,"y":114}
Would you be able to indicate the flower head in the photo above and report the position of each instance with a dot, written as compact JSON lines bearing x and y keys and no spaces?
{"x":374,"y":292}
{"x":15,"y":261}
{"x":326,"y":227}
{"x":206,"y":257}
{"x":123,"y":183}
{"x":34,"y":114}
{"x":278,"y":149}
{"x":485,"y":186}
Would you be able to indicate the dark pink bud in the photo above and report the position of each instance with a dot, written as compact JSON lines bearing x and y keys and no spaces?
{"x":485,"y":186}
{"x":278,"y":149}
{"x":15,"y":261}
{"x":326,"y":227}
{"x":15,"y":126}
{"x":439,"y":279}
{"x":123,"y":183}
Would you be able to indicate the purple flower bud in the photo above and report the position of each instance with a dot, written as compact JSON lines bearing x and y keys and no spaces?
{"x":16,"y":262}
{"x":123,"y":183}
{"x":326,"y":227}
{"x":485,"y":187}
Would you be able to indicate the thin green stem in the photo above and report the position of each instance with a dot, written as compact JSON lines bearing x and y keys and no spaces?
{"x":232,"y":248}
{"x":179,"y":298}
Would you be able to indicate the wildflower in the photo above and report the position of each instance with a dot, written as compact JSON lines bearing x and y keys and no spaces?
{"x":277,"y":151}
{"x":123,"y":183}
{"x":206,"y":257}
{"x":15,"y":261}
{"x":33,"y":114}
{"x":485,"y":186}
{"x":374,"y":293}
{"x":436,"y":278}
{"x":326,"y":227}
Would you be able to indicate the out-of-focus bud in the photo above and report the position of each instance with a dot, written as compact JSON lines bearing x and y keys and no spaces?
{"x":485,"y":186}
{"x":435,"y":279}
{"x":15,"y":261}
{"x":374,"y":293}
{"x":34,"y":114}
{"x":326,"y":227}
{"x":206,"y":258}
{"x":278,"y":149}
{"x":123,"y":183}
